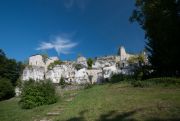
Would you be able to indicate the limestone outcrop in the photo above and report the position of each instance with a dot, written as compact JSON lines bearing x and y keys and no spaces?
{"x":33,"y":72}
{"x":102,"y":68}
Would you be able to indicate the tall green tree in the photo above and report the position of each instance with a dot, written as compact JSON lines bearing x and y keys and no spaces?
{"x":160,"y":20}
{"x":10,"y":68}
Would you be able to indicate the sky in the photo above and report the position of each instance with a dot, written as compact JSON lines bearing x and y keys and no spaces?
{"x":68,"y":28}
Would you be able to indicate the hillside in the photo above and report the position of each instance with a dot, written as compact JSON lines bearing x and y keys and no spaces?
{"x":108,"y":102}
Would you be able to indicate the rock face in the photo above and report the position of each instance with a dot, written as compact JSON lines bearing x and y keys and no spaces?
{"x":41,"y":61}
{"x":109,"y":71}
{"x":95,"y":76}
{"x":36,"y":60}
{"x":82,"y":60}
{"x":81,"y":76}
{"x":67,"y":71}
{"x":55,"y":74}
{"x":33,"y":72}
{"x":102,"y":68}
{"x":17,"y":91}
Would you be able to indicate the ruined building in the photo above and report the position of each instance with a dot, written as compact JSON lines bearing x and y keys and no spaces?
{"x":102,"y":68}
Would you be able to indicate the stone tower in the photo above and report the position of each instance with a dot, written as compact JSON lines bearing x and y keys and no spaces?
{"x":122,"y":53}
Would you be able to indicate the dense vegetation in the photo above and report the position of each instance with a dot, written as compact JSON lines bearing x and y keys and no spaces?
{"x":161,"y":21}
{"x":163,"y":81}
{"x":9,"y":68}
{"x":10,"y":71}
{"x":37,"y":93}
{"x":6,"y":89}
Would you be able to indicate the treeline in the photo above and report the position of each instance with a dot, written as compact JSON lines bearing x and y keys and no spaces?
{"x":10,"y":71}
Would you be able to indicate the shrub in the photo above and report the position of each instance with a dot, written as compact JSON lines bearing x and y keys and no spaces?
{"x":37,"y":93}
{"x":62,"y":82}
{"x":139,"y":83}
{"x":52,"y":65}
{"x":163,"y":81}
{"x":79,"y":66}
{"x":88,"y":85}
{"x":119,"y":78}
{"x":6,"y":89}
{"x":19,"y":83}
{"x":142,"y":72}
{"x":89,"y":63}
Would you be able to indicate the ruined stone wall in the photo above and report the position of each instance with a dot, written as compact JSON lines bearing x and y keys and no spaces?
{"x":36,"y":60}
{"x":102,"y":68}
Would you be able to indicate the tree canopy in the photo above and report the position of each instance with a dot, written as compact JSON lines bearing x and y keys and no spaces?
{"x":9,"y":68}
{"x":160,"y":20}
{"x":89,"y":63}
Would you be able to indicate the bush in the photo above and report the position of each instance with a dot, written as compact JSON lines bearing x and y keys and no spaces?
{"x":163,"y":81}
{"x":119,"y":78}
{"x":6,"y":89}
{"x":141,"y":84}
{"x":19,"y":83}
{"x":52,"y":65}
{"x":79,"y":66}
{"x":87,"y":85}
{"x":62,"y":82}
{"x":37,"y":93}
{"x":89,"y":63}
{"x":142,"y":72}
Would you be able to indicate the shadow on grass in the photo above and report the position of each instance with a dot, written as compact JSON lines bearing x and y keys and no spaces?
{"x":110,"y":116}
{"x":116,"y":116}
{"x":80,"y":117}
{"x":160,"y":119}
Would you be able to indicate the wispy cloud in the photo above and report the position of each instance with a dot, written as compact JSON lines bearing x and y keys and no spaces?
{"x":78,"y":3}
{"x":60,"y":44}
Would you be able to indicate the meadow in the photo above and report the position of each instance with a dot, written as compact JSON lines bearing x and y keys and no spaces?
{"x":107,"y":102}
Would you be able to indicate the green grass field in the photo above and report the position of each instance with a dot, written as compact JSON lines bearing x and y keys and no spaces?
{"x":108,"y":102}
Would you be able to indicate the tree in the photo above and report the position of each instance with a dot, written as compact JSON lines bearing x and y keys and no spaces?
{"x":89,"y":63}
{"x":2,"y":54}
{"x":6,"y":89}
{"x":10,"y":68}
{"x":2,"y":62}
{"x":161,"y":21}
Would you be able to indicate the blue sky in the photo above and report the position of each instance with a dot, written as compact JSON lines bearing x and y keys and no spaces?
{"x":68,"y":28}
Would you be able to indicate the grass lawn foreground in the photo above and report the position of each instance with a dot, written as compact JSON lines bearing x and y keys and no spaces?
{"x":108,"y":102}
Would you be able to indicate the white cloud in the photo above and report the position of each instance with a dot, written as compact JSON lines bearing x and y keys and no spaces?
{"x":61,"y":45}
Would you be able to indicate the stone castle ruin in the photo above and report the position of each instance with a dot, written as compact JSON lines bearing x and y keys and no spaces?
{"x":102,"y":68}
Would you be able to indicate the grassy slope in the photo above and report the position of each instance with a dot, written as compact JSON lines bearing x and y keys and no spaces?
{"x":104,"y":102}
{"x":11,"y":111}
